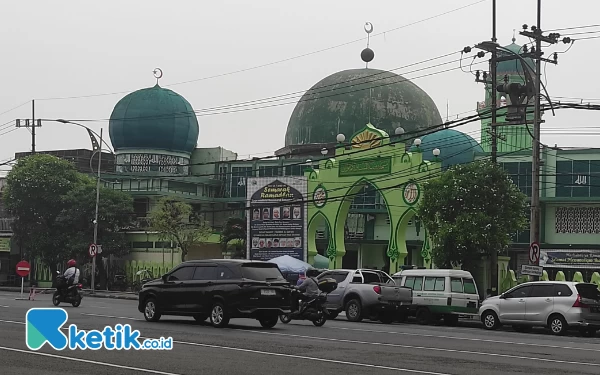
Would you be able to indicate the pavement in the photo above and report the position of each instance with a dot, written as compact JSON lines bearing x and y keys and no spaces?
{"x":85,"y":292}
{"x":298,"y":348}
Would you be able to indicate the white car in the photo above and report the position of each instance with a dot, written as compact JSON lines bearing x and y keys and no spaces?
{"x":558,"y":305}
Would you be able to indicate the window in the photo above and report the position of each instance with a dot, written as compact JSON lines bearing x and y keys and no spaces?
{"x":238,"y":180}
{"x":429,"y":283}
{"x":440,"y":284}
{"x":469,"y":285}
{"x":561,"y":290}
{"x":418,"y":284}
{"x":577,"y":219}
{"x":337,"y":276}
{"x":409,"y":282}
{"x":542,"y":290}
{"x":520,"y":174}
{"x":456,"y":285}
{"x":588,"y":291}
{"x":577,"y":178}
{"x":142,"y":245}
{"x":521,"y":292}
{"x":269,"y":171}
{"x":183,"y":273}
{"x":224,"y":273}
{"x":205,"y":273}
{"x":261,"y":272}
{"x":371,"y":278}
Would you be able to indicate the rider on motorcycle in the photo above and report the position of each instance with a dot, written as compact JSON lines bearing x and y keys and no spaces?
{"x":309,"y":288}
{"x":71,"y":275}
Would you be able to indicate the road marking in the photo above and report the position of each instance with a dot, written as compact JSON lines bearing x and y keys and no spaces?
{"x":465,"y":339}
{"x":89,"y":361}
{"x":114,"y":317}
{"x":100,"y":307}
{"x":426,"y":348}
{"x":11,"y":322}
{"x":4,"y":306}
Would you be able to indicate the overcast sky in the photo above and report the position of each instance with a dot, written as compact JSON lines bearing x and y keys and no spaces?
{"x":76,"y":48}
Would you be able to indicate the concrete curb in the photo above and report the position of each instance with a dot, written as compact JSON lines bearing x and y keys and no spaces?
{"x":86,"y":293}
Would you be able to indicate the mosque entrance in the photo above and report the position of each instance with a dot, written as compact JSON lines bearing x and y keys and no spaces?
{"x":365,"y":196}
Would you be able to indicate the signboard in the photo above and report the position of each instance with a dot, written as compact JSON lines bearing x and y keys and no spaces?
{"x":276,"y":217}
{"x":362,"y":167}
{"x":4,"y":244}
{"x":23,"y":268}
{"x":92,"y":251}
{"x":527,"y":269}
{"x":534,"y":253}
{"x":137,"y":163}
{"x":570,"y":258}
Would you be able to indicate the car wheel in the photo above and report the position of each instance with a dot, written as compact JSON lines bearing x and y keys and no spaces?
{"x":424,"y":316}
{"x":588,"y":332}
{"x":218,"y":315}
{"x":56,"y":299}
{"x":558,"y":325}
{"x":268,"y":322}
{"x":201,"y":317}
{"x":354,"y":310}
{"x":451,"y":320}
{"x":490,"y":320}
{"x":386,"y":318}
{"x":285,"y":318}
{"x":151,"y":313}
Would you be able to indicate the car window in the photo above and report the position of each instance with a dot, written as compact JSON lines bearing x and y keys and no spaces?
{"x":418,"y":284}
{"x":469,"y":286}
{"x":261,"y":272}
{"x":521,"y":292}
{"x":561,"y":290}
{"x":205,"y":273}
{"x":224,"y":273}
{"x":456,"y":285}
{"x":429,"y":283}
{"x":588,"y":291}
{"x":180,"y":274}
{"x":410,"y":281}
{"x":542,"y":290}
{"x":338,"y":276}
{"x":385,"y":278}
{"x":371,"y":278}
{"x":440,"y":284}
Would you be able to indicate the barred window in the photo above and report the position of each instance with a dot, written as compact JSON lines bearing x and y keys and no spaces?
{"x":577,"y":219}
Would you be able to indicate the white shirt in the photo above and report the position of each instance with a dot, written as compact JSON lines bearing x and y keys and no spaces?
{"x":69,"y":272}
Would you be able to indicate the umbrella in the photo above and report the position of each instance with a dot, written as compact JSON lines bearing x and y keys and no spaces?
{"x":288,"y":264}
{"x":321,"y":261}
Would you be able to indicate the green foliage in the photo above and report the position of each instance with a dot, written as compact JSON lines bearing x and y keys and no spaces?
{"x":470,"y":211}
{"x":175,"y":221}
{"x":234,"y":229}
{"x":54,"y":208}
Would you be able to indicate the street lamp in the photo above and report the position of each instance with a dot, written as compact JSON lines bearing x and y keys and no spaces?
{"x":436,"y":152}
{"x":417,"y":142}
{"x":324,"y":151}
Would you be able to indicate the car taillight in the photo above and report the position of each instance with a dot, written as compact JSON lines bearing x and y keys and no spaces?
{"x":578,"y":302}
{"x":377,"y":289}
{"x":79,"y":286}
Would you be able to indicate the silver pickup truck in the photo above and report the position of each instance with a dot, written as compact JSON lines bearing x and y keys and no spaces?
{"x":368,"y":294}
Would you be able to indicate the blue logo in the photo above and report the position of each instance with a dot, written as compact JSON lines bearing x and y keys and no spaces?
{"x":45,"y":325}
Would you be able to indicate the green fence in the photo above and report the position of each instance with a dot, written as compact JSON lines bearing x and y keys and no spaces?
{"x":510,"y":280}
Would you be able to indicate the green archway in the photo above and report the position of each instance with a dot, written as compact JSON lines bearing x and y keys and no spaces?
{"x":369,"y":158}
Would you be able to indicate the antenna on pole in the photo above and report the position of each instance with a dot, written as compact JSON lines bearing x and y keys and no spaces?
{"x":367,"y":55}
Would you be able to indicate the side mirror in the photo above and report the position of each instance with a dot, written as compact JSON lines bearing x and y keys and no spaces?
{"x":502,"y":296}
{"x":164,"y":278}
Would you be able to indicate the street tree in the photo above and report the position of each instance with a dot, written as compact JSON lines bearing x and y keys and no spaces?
{"x":470,"y":212}
{"x":175,"y":221}
{"x":234,"y":233}
{"x":34,"y":190}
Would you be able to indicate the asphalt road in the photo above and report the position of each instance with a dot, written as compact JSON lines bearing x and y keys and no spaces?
{"x":339,"y":347}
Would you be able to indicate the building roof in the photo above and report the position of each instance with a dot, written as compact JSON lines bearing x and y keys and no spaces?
{"x":154,"y":118}
{"x":455,"y":147}
{"x":344,"y":101}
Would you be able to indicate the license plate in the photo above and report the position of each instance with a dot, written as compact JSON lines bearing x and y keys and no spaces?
{"x":595,"y":309}
{"x":267,"y":292}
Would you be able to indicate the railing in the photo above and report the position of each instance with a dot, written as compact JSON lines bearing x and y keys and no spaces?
{"x":6,"y":224}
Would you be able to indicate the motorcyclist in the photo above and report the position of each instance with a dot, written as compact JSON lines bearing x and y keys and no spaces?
{"x":71,"y":274}
{"x":309,"y":289}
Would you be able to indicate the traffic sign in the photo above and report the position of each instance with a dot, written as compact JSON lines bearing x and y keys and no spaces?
{"x":534,"y":253}
{"x":532,"y":270}
{"x":92,"y":250}
{"x":23,"y":268}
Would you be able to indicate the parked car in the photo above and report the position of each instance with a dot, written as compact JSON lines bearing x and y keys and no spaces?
{"x":558,"y":305}
{"x":438,"y":293}
{"x":220,"y":289}
{"x":366,"y":293}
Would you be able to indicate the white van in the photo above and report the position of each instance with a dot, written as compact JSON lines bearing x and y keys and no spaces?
{"x":439,"y":294}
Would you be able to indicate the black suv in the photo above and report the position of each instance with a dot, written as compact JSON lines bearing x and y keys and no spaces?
{"x":220,"y":289}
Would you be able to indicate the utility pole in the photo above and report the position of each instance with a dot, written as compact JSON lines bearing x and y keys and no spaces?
{"x":26,"y":123}
{"x":96,"y":216}
{"x":33,"y":127}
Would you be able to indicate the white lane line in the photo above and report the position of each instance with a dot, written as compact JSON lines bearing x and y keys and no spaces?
{"x":145,"y":370}
{"x":465,"y":339}
{"x":426,"y":348}
{"x":11,"y":322}
{"x":112,"y":316}
{"x":4,"y":306}
{"x":99,"y":307}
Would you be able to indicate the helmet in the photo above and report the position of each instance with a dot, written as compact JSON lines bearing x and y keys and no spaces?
{"x":71,"y":263}
{"x":312,"y":272}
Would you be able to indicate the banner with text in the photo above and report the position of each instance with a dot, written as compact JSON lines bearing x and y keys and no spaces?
{"x":276,"y":217}
{"x":570,"y":258}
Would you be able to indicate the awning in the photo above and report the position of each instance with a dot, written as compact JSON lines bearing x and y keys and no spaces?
{"x":566,"y":258}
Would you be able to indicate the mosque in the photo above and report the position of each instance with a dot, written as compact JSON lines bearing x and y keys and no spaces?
{"x":154,"y":132}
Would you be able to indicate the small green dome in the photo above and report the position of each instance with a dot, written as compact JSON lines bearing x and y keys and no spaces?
{"x":341,"y":103}
{"x":154,"y":118}
{"x":455,"y":147}
{"x":512,"y":66}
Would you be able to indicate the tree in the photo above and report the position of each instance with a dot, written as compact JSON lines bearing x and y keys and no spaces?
{"x":471,"y":211}
{"x":34,"y":191}
{"x":175,"y":221}
{"x":234,"y":229}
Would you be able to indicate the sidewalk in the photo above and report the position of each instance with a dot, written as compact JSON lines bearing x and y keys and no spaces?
{"x":85,"y":292}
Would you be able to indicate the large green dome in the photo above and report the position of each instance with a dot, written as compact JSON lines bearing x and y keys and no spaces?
{"x":154,"y":118}
{"x":512,"y":67}
{"x":340,"y":104}
{"x":455,"y":147}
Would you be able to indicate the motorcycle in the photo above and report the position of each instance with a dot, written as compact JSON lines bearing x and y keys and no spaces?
{"x":313,"y":309}
{"x":68,"y":294}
